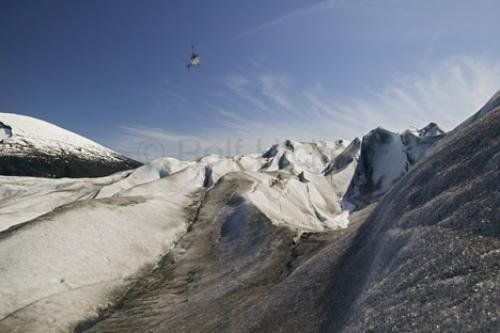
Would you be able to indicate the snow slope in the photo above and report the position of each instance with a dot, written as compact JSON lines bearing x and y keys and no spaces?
{"x":25,"y":198}
{"x":62,"y":266}
{"x":385,"y":156}
{"x":30,"y":146}
{"x":68,"y":245}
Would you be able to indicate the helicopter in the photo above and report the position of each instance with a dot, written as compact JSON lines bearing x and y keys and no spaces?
{"x":194,"y":61}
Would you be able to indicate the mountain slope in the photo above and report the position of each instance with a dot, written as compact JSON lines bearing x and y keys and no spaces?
{"x":32,"y":147}
{"x":434,"y":242}
{"x":425,"y":259}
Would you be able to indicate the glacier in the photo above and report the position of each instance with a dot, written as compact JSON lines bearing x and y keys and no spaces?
{"x":99,"y":233}
{"x":394,"y":231}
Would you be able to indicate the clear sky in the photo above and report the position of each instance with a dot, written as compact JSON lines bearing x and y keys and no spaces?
{"x":114,"y":70}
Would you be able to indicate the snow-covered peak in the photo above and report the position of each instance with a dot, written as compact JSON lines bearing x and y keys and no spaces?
{"x":431,"y":130}
{"x":385,"y":156}
{"x":33,"y":147}
{"x":48,"y":137}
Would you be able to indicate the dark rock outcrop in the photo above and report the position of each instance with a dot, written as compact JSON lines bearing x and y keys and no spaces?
{"x":73,"y":166}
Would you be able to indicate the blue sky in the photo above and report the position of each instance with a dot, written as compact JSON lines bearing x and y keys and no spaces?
{"x":114,"y":70}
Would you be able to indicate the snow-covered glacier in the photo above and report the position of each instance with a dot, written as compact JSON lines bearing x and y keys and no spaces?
{"x":259,"y":242}
{"x":69,"y":244}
